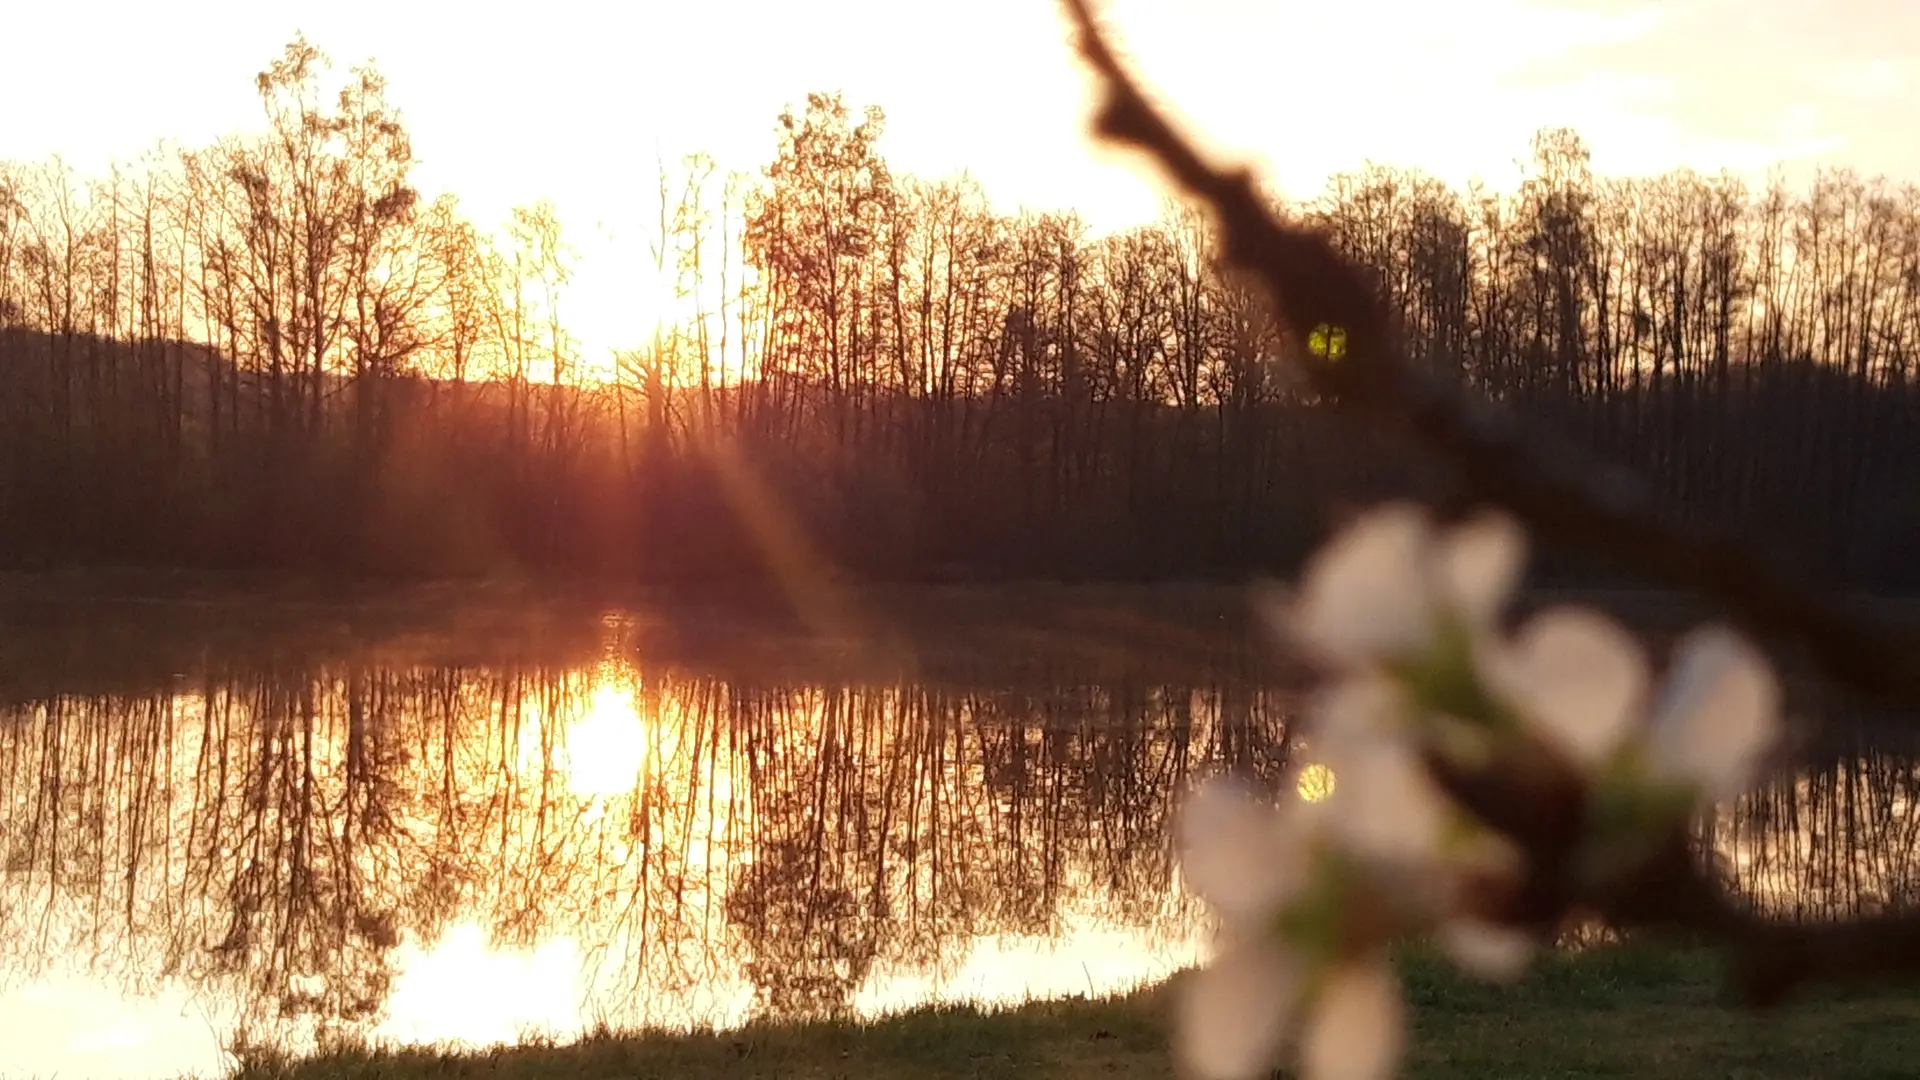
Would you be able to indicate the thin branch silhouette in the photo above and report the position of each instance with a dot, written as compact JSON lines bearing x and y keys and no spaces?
{"x":1560,"y":492}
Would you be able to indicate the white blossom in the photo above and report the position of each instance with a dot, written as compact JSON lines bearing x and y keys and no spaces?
{"x":1356,"y":709}
{"x":1240,"y":853}
{"x":1379,"y":589}
{"x":1385,"y":804}
{"x":1480,"y":563}
{"x":1494,"y":953}
{"x":1257,"y":1005}
{"x":1718,"y":716}
{"x":1357,"y":1027}
{"x":1577,"y":678}
{"x":1385,"y":603}
{"x":1234,"y":1014}
{"x":1248,"y":859}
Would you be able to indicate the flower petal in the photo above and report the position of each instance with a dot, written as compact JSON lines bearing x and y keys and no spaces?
{"x":1480,"y":564}
{"x":1366,"y":593}
{"x":1384,"y":803}
{"x":1239,"y":852}
{"x":1577,"y":678}
{"x":1358,"y":1030}
{"x":1232,"y":1016}
{"x":1718,"y":716}
{"x":1491,"y":952}
{"x":1356,"y":708}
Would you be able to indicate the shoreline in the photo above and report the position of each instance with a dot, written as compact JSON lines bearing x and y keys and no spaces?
{"x":138,"y":585}
{"x":1628,"y":1010}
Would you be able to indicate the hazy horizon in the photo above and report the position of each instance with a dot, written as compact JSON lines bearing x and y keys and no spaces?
{"x":578,"y":105}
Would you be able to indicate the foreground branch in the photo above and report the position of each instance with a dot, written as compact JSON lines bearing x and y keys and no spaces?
{"x":1563,"y":495}
{"x":1559,"y":492}
{"x":1667,"y":891}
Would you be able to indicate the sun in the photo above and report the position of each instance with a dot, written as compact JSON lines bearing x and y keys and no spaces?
{"x":624,"y":302}
{"x":606,"y":745}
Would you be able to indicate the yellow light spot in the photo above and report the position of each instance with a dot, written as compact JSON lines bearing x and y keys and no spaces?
{"x":1316,"y":782}
{"x":1327,"y":342}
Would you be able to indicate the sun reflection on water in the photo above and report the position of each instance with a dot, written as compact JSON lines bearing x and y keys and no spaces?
{"x":462,"y":990}
{"x":605,"y":744}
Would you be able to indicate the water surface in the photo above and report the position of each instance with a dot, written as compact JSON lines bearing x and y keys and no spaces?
{"x":225,"y":826}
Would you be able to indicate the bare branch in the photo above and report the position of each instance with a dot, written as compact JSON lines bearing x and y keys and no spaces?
{"x":1667,"y":890}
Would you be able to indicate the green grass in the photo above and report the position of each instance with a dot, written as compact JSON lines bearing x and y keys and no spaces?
{"x":1628,"y":1011}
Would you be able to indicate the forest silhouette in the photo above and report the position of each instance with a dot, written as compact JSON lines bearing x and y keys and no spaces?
{"x":274,"y":353}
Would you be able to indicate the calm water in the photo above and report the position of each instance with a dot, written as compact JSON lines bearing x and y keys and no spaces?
{"x":215,"y":829}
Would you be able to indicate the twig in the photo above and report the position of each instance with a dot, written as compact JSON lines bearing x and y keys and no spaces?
{"x":1561,"y":493}
{"x":1667,"y":890}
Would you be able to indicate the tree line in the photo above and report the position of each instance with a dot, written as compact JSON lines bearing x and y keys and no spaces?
{"x":276,"y":352}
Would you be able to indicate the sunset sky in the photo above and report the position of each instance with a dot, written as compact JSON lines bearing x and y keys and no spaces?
{"x":572,"y":99}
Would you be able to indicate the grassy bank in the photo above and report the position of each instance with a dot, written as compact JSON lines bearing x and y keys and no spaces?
{"x":1626,"y":1012}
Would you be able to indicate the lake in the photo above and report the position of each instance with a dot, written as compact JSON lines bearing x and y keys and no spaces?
{"x":227,"y":823}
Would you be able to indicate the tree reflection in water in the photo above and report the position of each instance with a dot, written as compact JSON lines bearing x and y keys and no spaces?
{"x":358,"y":845}
{"x":461,"y":851}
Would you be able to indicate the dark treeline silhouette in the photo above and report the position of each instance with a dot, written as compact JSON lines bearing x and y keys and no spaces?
{"x":275,"y":353}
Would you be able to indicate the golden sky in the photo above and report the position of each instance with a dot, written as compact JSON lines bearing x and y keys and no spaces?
{"x":573,"y":99}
